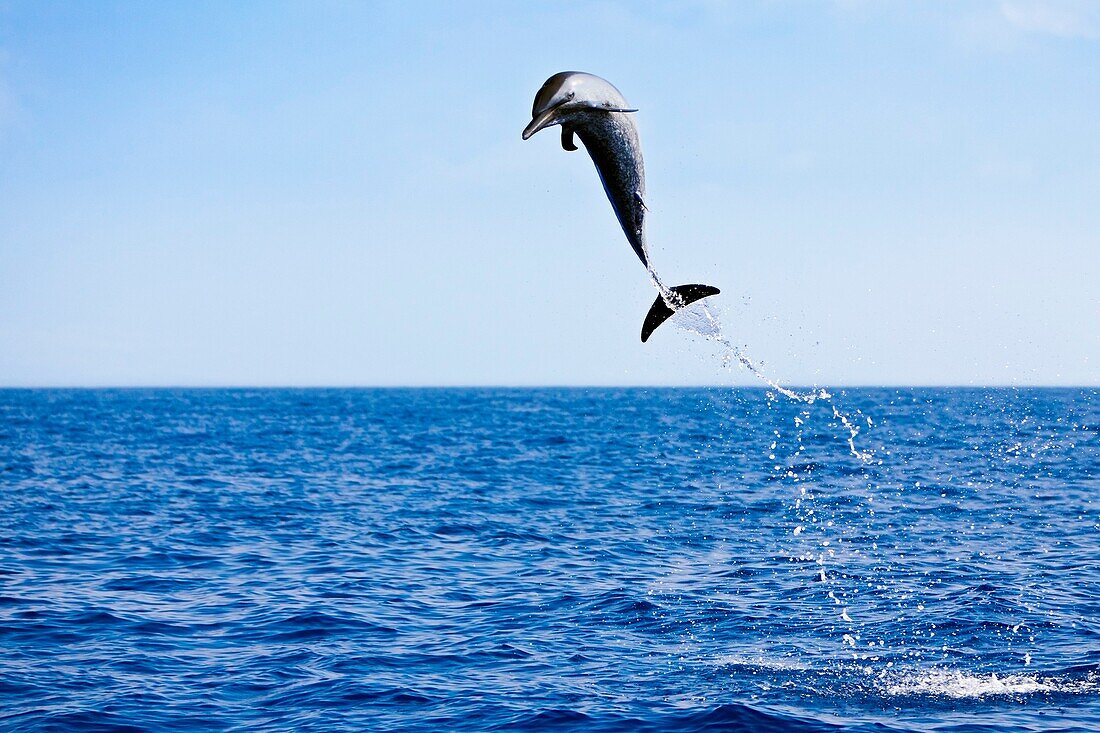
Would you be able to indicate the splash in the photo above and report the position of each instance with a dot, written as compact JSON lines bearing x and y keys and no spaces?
{"x":960,"y":685}
{"x":703,"y":321}
{"x":937,"y":682}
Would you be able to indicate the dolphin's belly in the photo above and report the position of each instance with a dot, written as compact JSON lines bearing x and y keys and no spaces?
{"x":612,"y":141}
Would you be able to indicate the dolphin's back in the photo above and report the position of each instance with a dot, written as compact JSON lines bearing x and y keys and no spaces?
{"x":612,"y":141}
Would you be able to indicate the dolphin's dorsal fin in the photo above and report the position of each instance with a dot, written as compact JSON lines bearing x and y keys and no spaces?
{"x":567,"y":138}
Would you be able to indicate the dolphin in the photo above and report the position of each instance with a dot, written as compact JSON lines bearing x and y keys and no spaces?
{"x":595,"y":111}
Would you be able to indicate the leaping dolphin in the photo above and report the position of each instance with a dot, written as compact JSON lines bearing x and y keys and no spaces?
{"x":596,"y":111}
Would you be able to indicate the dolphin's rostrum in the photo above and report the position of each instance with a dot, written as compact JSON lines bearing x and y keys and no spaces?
{"x":596,"y":112}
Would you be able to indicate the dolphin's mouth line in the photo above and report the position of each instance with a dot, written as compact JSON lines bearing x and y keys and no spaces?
{"x":541,"y":120}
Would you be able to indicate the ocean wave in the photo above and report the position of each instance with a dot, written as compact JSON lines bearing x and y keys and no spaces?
{"x":347,"y":560}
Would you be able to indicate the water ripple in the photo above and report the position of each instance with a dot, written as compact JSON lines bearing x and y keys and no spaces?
{"x":603,"y":560}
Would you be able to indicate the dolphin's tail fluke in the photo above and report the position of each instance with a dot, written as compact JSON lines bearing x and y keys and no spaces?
{"x":666,"y":305}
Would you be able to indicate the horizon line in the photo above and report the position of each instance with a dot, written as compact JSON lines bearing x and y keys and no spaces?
{"x":106,"y":387}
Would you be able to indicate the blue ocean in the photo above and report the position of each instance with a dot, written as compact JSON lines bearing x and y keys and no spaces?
{"x":549,"y":560}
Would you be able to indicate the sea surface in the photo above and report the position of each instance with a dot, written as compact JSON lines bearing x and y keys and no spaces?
{"x":549,"y":560}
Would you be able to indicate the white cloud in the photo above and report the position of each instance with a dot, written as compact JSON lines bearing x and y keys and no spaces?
{"x":1067,"y":18}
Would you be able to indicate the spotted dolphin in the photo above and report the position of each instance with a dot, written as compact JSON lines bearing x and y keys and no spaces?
{"x":595,"y":111}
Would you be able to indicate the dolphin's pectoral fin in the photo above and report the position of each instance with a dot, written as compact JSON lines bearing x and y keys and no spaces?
{"x":662,"y":309}
{"x":640,"y":201}
{"x":567,"y":138}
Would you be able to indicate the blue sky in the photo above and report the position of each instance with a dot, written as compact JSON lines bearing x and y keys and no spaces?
{"x":337,"y":193}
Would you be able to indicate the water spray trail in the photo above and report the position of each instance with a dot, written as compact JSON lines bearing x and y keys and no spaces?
{"x":711,"y":329}
{"x":822,"y":553}
{"x":672,"y":300}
